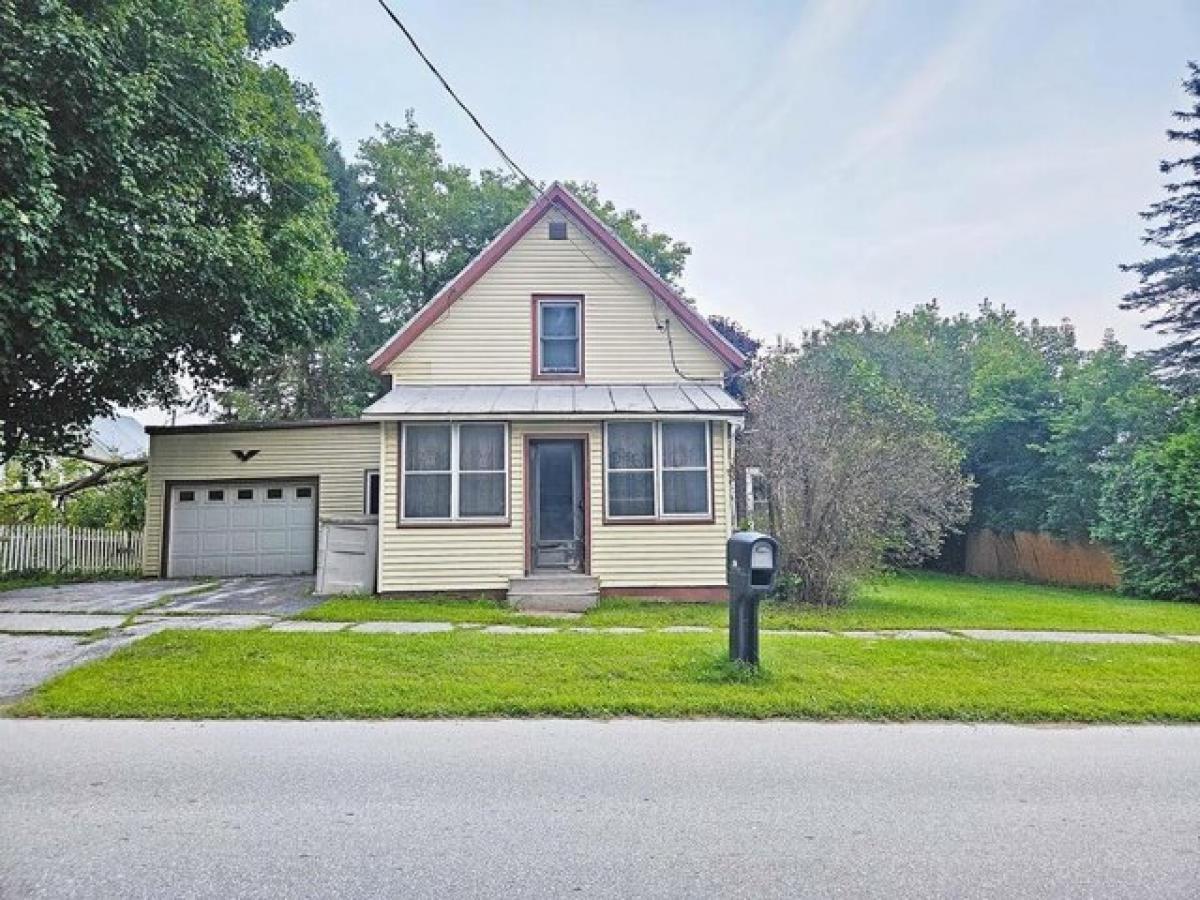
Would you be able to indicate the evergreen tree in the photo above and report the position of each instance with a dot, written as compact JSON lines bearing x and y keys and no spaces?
{"x":1169,"y":285}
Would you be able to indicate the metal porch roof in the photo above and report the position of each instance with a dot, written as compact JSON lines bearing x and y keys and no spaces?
{"x":553,"y":400}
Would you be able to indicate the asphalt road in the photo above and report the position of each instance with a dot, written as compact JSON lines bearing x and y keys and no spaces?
{"x":591,"y":809}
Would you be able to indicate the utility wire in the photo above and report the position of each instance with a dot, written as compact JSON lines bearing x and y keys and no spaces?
{"x":449,"y":90}
{"x":663,"y":327}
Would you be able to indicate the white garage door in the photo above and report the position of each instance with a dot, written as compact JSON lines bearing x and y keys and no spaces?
{"x":265,"y":528}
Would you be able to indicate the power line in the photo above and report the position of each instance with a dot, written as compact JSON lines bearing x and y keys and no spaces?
{"x":432,"y":68}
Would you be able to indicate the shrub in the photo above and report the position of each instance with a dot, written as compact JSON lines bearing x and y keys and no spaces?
{"x":859,"y":474}
{"x":1150,"y":513}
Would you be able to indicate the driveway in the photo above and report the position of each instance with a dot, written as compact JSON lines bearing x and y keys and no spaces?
{"x":47,"y":630}
{"x":596,"y":809}
{"x":275,"y":595}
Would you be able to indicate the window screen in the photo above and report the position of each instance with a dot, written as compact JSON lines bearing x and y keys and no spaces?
{"x":631,"y":469}
{"x":455,"y":471}
{"x":685,"y":468}
{"x":427,"y":471}
{"x":480,"y":470}
{"x":559,"y":349}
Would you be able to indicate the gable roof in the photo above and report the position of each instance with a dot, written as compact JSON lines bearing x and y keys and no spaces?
{"x":556,"y":196}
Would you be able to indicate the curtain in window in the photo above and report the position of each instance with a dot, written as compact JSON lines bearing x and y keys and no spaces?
{"x":481,"y":470}
{"x":631,"y":469}
{"x":685,"y":468}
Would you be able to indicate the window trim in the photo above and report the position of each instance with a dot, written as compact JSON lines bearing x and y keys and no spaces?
{"x":537,"y":301}
{"x":368,"y":474}
{"x":453,"y":520}
{"x":660,"y":518}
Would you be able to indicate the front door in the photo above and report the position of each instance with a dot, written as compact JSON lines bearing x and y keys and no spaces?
{"x":557,"y":508}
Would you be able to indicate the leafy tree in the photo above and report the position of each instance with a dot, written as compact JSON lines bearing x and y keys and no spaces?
{"x":1107,"y":406}
{"x":1011,"y":393}
{"x":163,"y":211}
{"x":1169,"y":284}
{"x":860,"y":475}
{"x":1150,"y":513}
{"x":991,"y":383}
{"x":53,"y":495}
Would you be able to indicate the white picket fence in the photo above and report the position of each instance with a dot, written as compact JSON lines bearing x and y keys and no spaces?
{"x":57,"y":548}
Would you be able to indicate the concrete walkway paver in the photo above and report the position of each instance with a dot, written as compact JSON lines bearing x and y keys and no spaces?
{"x":400,"y":627}
{"x":143,"y":626}
{"x":56,"y":623}
{"x":288,"y":625}
{"x":1062,"y":637}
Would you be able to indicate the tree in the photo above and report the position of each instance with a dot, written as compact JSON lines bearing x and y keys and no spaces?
{"x":1106,"y":408}
{"x":860,"y":476}
{"x":1150,"y":513}
{"x":163,"y":210}
{"x":1169,"y":284}
{"x":991,"y":382}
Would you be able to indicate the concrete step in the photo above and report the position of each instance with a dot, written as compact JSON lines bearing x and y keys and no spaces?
{"x":553,"y":602}
{"x":554,"y":593}
{"x":552,"y":584}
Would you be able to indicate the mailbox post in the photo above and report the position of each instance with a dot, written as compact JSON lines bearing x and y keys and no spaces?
{"x":751,"y":564}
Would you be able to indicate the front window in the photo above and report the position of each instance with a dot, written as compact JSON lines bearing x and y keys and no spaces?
{"x":631,"y":470}
{"x":454,"y":472}
{"x":657,"y":470}
{"x":559,"y":344}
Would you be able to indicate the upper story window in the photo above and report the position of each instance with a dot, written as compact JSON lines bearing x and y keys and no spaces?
{"x":558,"y":348}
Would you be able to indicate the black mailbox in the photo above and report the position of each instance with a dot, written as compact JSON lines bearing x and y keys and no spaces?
{"x":751,"y":565}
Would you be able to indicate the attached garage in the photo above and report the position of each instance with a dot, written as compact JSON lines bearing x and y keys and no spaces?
{"x":247,"y":498}
{"x":242,"y":528}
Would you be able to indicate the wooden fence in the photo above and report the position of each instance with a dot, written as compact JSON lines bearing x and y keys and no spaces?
{"x":57,"y":548}
{"x":1028,"y":556}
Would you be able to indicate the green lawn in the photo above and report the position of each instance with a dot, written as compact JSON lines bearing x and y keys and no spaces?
{"x":465,"y":673}
{"x":901,"y":601}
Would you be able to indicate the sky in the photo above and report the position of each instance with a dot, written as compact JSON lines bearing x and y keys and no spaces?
{"x":823,"y":159}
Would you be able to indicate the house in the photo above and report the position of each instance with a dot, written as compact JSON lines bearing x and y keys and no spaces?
{"x":556,"y":410}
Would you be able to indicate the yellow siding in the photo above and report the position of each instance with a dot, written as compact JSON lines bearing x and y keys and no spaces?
{"x":476,"y":559}
{"x":668,"y":555}
{"x":485,"y":337}
{"x":337,"y":455}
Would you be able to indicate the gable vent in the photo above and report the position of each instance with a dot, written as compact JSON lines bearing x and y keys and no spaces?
{"x":558,"y":231}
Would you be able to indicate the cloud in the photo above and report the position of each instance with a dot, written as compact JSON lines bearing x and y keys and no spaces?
{"x":906,"y":111}
{"x":802,"y":63}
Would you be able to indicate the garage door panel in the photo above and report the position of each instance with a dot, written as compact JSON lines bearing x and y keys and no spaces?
{"x":214,"y":517}
{"x":214,"y":542}
{"x":242,"y":529}
{"x":244,"y":515}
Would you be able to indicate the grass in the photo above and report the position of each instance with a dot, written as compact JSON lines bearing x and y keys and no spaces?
{"x":908,"y":600}
{"x":264,"y":674}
